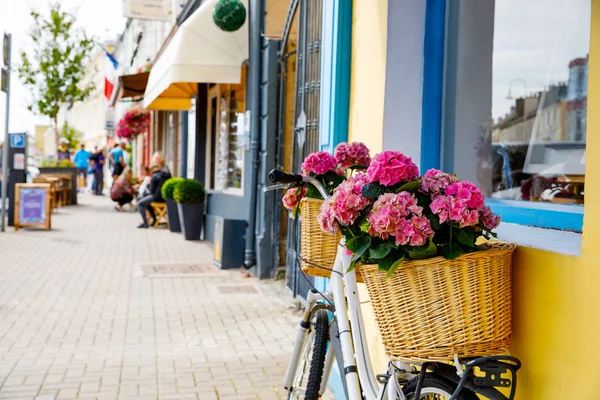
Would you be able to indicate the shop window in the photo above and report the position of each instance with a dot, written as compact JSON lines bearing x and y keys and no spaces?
{"x":230,"y":143}
{"x":528,"y":152}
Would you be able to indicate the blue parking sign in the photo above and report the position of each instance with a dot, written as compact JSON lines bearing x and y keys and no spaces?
{"x":17,"y":141}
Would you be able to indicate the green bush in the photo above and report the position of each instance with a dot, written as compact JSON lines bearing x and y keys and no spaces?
{"x":189,"y":191}
{"x":48,"y":163}
{"x":65,"y":164}
{"x":169,"y":186}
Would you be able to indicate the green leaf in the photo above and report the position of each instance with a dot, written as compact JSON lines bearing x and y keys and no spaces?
{"x":357,"y":167}
{"x":386,"y":262}
{"x":380,"y":251}
{"x":427,"y":251}
{"x":451,"y":251}
{"x":409,"y":187}
{"x":372,"y":190}
{"x":362,"y":245}
{"x":465,"y":237}
{"x":364,"y":225}
{"x":434,"y":221}
{"x":394,"y":267}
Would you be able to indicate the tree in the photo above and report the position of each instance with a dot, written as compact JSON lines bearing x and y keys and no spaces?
{"x":54,"y":68}
{"x":72,"y":135}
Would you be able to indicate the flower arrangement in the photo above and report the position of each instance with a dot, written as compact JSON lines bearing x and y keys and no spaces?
{"x":389,"y":213}
{"x":330,"y":170}
{"x":135,"y":121}
{"x":144,"y":68}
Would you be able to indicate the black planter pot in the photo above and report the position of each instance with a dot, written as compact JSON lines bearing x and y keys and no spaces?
{"x":173,"y":216}
{"x":191,"y":217}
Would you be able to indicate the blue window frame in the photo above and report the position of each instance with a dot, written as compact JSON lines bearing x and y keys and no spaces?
{"x":443,"y":89}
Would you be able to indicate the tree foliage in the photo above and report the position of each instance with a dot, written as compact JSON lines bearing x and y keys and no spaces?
{"x":72,"y":135}
{"x":54,"y":68}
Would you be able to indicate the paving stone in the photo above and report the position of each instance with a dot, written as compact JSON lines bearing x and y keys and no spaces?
{"x":78,"y":319}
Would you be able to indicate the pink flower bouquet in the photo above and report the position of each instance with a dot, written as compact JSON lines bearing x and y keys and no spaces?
{"x":390,"y":214}
{"x":135,"y":121}
{"x":331,"y":171}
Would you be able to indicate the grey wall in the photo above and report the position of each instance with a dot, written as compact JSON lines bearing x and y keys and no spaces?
{"x":468,"y":97}
{"x":404,"y":78}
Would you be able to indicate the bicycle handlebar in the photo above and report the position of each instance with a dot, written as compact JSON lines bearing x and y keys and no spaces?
{"x":278,"y":176}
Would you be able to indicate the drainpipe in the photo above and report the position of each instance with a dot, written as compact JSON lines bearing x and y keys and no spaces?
{"x":183,"y":151}
{"x":256,"y":23}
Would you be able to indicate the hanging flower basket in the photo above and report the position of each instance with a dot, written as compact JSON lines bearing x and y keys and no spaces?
{"x":229,"y":15}
{"x":144,"y":68}
{"x":135,"y":121}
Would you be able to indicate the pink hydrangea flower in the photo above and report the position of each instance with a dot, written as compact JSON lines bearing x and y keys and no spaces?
{"x":326,"y":217}
{"x":434,"y":181}
{"x":318,"y":163}
{"x":461,"y":202}
{"x":346,"y":202}
{"x":391,"y":167}
{"x":397,"y":215}
{"x":349,"y":154}
{"x":489,"y":219}
{"x":292,"y":197}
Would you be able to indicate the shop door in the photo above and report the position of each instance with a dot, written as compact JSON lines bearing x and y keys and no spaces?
{"x":306,"y":115}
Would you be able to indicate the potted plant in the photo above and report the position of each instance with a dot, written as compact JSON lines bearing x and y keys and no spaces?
{"x":172,"y":213}
{"x":189,"y":195}
{"x":318,"y":248}
{"x":415,"y":241}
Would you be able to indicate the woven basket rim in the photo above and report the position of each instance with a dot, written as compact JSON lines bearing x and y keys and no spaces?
{"x":495,"y":248}
{"x":311,"y":199}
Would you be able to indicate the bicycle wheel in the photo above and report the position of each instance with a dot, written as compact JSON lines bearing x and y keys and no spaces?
{"x":436,"y":388}
{"x":307,"y":382}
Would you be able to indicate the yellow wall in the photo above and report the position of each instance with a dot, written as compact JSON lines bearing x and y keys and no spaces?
{"x":369,"y":39}
{"x":555,"y":297}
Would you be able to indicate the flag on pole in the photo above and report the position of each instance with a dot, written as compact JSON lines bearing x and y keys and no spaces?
{"x":109,"y":85}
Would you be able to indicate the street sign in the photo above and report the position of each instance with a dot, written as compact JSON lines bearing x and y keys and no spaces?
{"x":32,"y":205}
{"x":17,"y":141}
{"x":4,"y":79}
{"x":6,"y":49}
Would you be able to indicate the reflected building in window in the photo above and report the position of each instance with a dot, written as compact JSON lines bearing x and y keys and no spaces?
{"x":577,"y":99}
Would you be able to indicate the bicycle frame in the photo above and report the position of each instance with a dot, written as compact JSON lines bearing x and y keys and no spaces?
{"x":357,"y":367}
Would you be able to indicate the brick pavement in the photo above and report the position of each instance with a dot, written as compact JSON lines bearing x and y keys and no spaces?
{"x":79,"y":320}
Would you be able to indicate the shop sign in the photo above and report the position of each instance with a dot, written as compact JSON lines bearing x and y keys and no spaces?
{"x":147,"y":9}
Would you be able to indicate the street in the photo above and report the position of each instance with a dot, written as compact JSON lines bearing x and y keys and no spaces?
{"x":97,"y":309}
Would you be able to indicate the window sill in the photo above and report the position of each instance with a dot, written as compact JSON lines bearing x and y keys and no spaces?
{"x":551,"y":240}
{"x":538,"y":214}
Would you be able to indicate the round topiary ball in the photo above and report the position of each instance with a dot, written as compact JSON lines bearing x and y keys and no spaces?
{"x":229,"y":15}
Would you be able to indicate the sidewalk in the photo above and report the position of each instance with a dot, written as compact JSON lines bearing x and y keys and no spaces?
{"x":87,"y":312}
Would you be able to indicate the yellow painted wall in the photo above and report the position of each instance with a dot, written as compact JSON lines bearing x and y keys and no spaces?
{"x":556,"y":299}
{"x":369,"y":39}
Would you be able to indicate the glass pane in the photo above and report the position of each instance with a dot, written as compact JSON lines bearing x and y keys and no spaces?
{"x":537,"y":133}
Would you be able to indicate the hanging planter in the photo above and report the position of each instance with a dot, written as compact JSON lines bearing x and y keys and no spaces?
{"x":135,"y":121}
{"x":144,"y":68}
{"x":229,"y":15}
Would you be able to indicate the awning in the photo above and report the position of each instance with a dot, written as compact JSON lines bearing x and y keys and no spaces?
{"x":199,"y":52}
{"x":131,"y":86}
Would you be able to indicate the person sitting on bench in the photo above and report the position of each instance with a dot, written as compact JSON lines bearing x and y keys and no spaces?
{"x":160,"y":175}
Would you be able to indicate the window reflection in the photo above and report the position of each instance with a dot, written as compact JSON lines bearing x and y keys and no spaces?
{"x":535,"y":143}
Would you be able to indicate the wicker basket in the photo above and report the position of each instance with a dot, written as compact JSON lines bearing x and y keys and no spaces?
{"x":318,"y":248}
{"x":435,"y":308}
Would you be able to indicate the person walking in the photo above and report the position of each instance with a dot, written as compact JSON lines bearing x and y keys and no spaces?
{"x":82,"y":163}
{"x":160,"y":175}
{"x":117,"y":158}
{"x":122,"y":192}
{"x":98,"y":171}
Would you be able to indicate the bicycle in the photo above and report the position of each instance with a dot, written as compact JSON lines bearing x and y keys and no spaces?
{"x":321,"y":340}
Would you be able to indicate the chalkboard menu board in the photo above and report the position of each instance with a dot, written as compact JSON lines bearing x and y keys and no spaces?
{"x":32,"y":205}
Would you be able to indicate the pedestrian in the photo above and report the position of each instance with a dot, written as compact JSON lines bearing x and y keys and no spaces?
{"x":153,"y":193}
{"x":98,"y":170}
{"x":122,"y":192}
{"x":82,"y":163}
{"x":63,"y":150}
{"x":117,"y":159}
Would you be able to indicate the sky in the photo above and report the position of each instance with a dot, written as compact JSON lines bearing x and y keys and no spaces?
{"x":534,"y":41}
{"x":100,"y":18}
